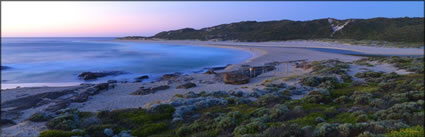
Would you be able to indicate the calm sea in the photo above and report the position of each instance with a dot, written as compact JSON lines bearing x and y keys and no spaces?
{"x":58,"y":61}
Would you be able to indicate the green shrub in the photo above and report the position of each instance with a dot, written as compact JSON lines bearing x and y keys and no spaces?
{"x":149,"y":129}
{"x":417,"y":131}
{"x":59,"y":133}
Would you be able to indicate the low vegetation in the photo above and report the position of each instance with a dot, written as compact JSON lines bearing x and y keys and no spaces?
{"x":384,"y":104}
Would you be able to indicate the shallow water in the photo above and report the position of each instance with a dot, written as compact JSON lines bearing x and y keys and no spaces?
{"x":60,"y":60}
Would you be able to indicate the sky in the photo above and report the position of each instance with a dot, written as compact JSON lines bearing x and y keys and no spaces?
{"x":141,"y":18}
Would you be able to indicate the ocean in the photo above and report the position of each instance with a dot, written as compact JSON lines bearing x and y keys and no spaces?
{"x":58,"y":61}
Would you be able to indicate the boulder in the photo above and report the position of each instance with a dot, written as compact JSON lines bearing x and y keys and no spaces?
{"x":95,"y":75}
{"x":101,"y":86}
{"x":210,"y":71}
{"x":235,"y":78}
{"x":145,"y":91}
{"x":83,"y":97}
{"x":170,"y":76}
{"x":187,"y":85}
{"x":4,"y":68}
{"x":112,"y":81}
{"x":59,"y":105}
{"x":142,"y":77}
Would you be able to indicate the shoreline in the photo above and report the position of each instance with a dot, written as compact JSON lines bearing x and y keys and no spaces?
{"x":255,"y":49}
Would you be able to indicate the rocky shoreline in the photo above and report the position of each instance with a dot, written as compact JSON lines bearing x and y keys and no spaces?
{"x":261,"y":90}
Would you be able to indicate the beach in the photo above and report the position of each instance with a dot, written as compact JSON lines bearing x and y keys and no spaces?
{"x":119,"y":94}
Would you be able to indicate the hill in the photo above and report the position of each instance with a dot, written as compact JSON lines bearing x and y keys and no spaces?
{"x":380,"y":29}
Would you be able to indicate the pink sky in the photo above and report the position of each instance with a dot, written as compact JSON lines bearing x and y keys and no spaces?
{"x":79,"y":19}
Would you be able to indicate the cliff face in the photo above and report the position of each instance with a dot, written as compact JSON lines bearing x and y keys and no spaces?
{"x":386,"y":29}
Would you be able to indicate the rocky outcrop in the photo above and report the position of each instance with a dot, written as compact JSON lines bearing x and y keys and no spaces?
{"x":95,"y":75}
{"x":173,"y":76}
{"x":145,"y":91}
{"x":235,"y":78}
{"x":4,"y":67}
{"x":34,"y":100}
{"x":139,"y":79}
{"x":187,"y":85}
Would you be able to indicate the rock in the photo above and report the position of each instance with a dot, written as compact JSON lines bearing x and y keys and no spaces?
{"x":101,"y":86}
{"x":95,"y":75}
{"x":5,"y":67}
{"x":210,"y":71}
{"x":7,"y":122}
{"x":112,"y":81}
{"x":235,"y":78}
{"x":59,"y":105}
{"x":142,"y":77}
{"x":187,"y":85}
{"x":108,"y":132}
{"x":170,"y":76}
{"x":145,"y":91}
{"x":83,"y":97}
{"x":33,"y":100}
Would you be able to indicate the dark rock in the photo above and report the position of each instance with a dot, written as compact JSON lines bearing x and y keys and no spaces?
{"x":112,"y":81}
{"x":145,"y":91}
{"x":170,"y":76}
{"x":59,"y":105}
{"x":210,"y":71}
{"x":142,"y":77}
{"x":5,"y":67}
{"x":101,"y":86}
{"x":7,"y":122}
{"x":33,"y":100}
{"x":187,"y":85}
{"x":83,"y":97}
{"x":235,"y":78}
{"x":95,"y":75}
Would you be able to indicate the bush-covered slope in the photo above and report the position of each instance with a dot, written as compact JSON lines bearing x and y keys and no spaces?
{"x":385,"y":29}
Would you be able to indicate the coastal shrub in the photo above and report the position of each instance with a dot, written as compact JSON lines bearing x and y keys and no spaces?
{"x":226,"y":122}
{"x":327,"y":130}
{"x":417,"y":131}
{"x":40,"y":117}
{"x":317,"y":96}
{"x":59,"y":133}
{"x":98,"y":130}
{"x":343,"y":118}
{"x":279,"y":110}
{"x":322,"y":82}
{"x":309,"y":119}
{"x":64,"y":122}
{"x":271,"y":99}
{"x":149,"y":129}
{"x":291,"y":130}
{"x":250,"y":128}
{"x":260,"y":112}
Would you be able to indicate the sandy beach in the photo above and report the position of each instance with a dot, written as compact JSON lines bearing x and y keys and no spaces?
{"x":120,"y":96}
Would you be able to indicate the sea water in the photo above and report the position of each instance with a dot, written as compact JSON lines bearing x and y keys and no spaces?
{"x":58,"y":61}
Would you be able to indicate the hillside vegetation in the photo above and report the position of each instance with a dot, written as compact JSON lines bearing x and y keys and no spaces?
{"x":380,"y":29}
